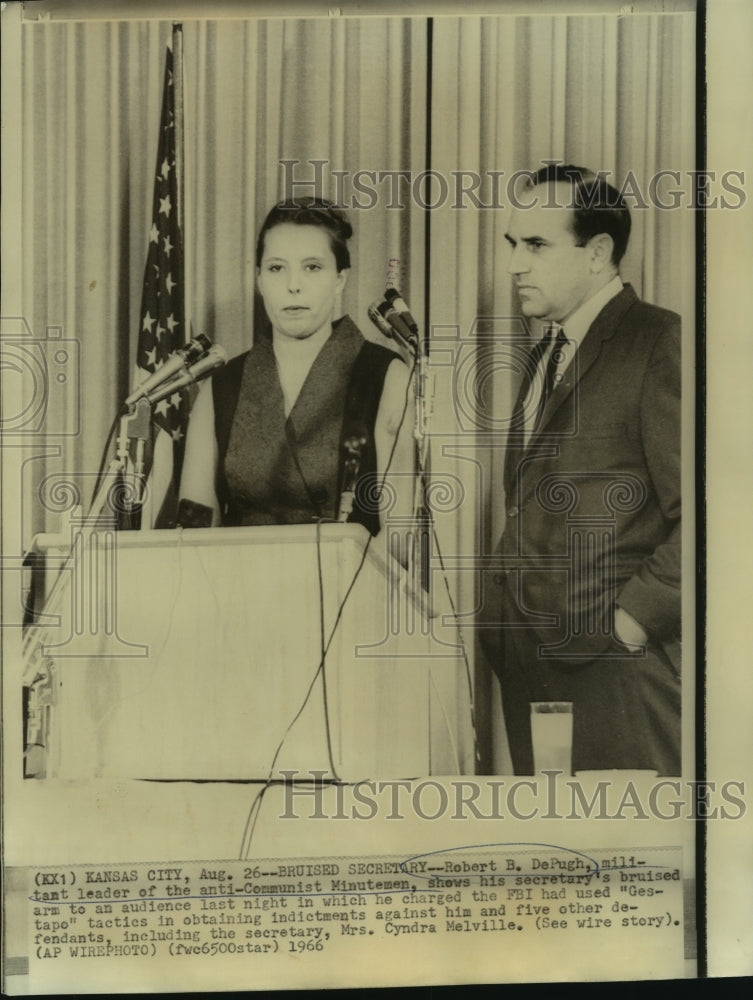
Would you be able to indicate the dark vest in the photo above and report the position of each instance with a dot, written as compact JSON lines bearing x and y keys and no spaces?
{"x":274,"y":470}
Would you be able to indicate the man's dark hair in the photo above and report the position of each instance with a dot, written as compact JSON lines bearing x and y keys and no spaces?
{"x":597,"y":206}
{"x":311,"y":212}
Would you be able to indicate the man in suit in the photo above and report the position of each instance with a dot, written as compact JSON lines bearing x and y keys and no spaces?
{"x":584,"y":603}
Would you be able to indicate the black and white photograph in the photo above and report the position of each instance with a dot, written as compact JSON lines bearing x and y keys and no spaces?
{"x":354,"y":445}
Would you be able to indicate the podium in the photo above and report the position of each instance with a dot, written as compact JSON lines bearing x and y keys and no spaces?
{"x":238,"y":653}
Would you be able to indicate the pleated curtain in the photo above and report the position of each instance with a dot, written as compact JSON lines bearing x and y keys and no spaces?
{"x":268,"y":100}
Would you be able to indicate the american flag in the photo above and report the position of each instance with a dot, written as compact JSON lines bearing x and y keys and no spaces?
{"x":162,"y":318}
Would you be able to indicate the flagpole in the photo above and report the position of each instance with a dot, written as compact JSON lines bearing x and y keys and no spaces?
{"x":162,"y":315}
{"x":178,"y":91}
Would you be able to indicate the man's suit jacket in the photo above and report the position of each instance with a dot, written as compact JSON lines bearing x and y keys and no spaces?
{"x":593,"y":521}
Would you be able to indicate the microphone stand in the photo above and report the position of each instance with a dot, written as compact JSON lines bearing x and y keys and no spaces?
{"x":419,"y":550}
{"x":134,"y":426}
{"x":38,"y":647}
{"x":418,"y":535}
{"x":128,"y":474}
{"x":421,"y":512}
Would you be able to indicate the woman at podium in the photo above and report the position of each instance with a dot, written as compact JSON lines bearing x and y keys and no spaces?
{"x":311,"y":422}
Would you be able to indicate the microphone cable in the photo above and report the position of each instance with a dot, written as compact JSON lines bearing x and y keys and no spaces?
{"x":105,"y":451}
{"x":463,"y":649}
{"x":255,"y":808}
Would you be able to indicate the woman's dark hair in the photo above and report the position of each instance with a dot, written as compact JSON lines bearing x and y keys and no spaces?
{"x":311,"y":212}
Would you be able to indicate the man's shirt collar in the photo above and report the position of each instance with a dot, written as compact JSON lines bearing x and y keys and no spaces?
{"x":577,"y":325}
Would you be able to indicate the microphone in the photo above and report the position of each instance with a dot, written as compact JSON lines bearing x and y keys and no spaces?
{"x":215,"y":357}
{"x":181,"y":358}
{"x":399,"y":305}
{"x":379,"y":321}
{"x":401,"y":329}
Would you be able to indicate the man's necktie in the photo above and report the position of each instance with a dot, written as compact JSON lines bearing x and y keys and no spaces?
{"x":552,"y":363}
{"x":533,"y":370}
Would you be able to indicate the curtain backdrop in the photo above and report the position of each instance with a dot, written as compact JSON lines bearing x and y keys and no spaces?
{"x":602,"y":92}
{"x":349,"y":93}
{"x":507,"y":92}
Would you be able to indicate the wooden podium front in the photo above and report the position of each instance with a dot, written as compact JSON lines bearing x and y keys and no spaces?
{"x":195,"y":654}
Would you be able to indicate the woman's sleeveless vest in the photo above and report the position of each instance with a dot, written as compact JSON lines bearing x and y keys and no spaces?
{"x":274,"y":470}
